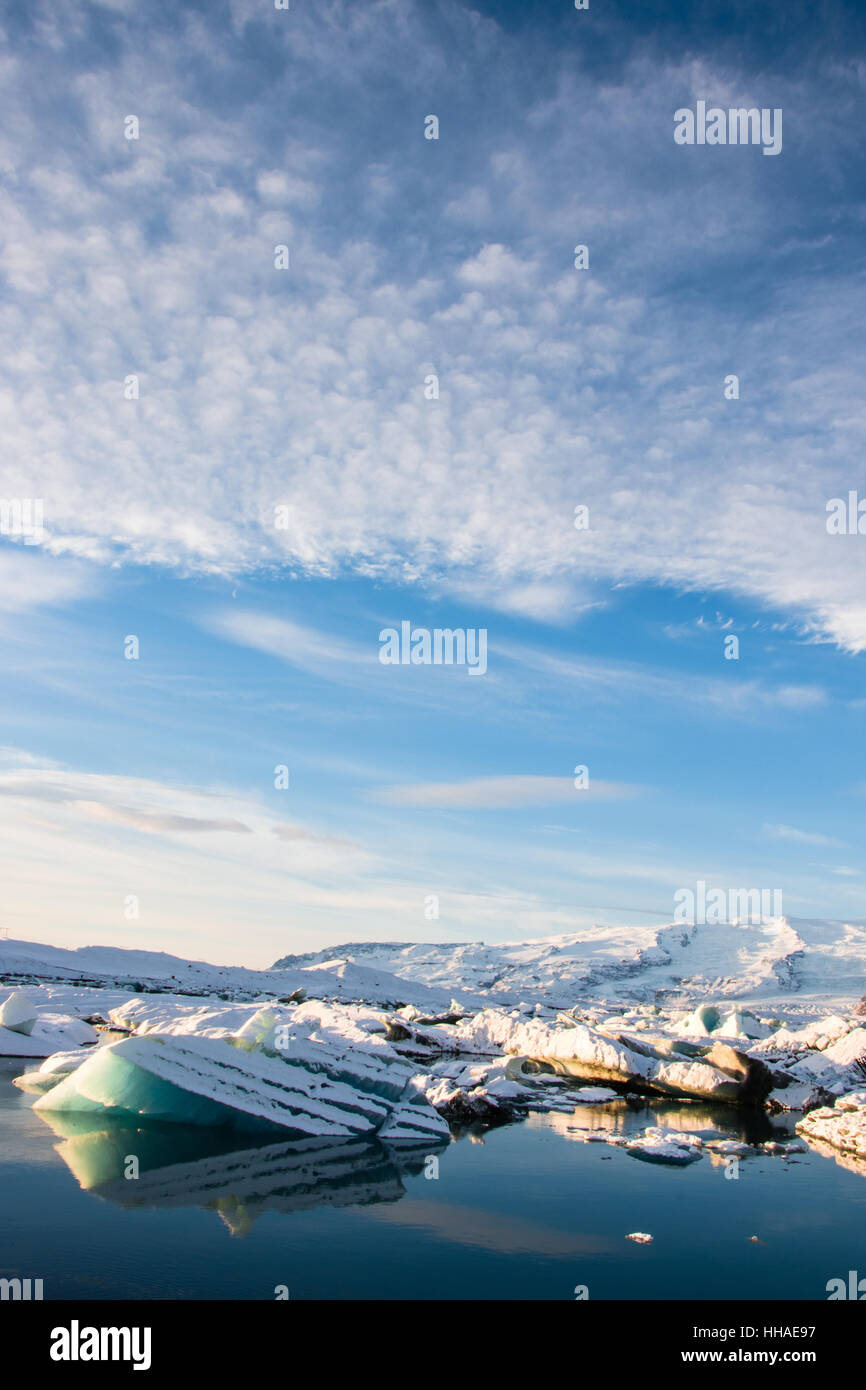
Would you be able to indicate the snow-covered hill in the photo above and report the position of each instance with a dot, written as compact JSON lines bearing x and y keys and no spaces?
{"x":94,"y":969}
{"x":784,"y":959}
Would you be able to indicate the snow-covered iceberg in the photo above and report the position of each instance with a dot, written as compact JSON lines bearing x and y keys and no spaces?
{"x":660,"y":1066}
{"x":209,"y":1081}
{"x":842,"y":1126}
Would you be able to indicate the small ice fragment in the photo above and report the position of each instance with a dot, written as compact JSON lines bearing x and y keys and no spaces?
{"x":18,"y":1013}
{"x":641,"y":1237}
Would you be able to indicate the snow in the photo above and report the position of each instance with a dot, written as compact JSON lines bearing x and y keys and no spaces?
{"x":657,"y":1145}
{"x":715,"y":964}
{"x":31,"y":1027}
{"x":842,"y":1127}
{"x":744,"y":963}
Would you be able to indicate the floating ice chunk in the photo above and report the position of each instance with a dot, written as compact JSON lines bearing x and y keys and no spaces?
{"x":785,"y":1146}
{"x":18,"y":1013}
{"x":673,"y":1136}
{"x":701,"y":1023}
{"x":594,"y":1095}
{"x":730,"y":1148}
{"x":707,"y":1020}
{"x":640,"y":1237}
{"x":52,"y":1071}
{"x":802,"y":1095}
{"x":664,"y":1146}
{"x":717,"y":1073}
{"x":740,"y":1023}
{"x":843,"y":1126}
{"x":210,"y":1082}
{"x":674,"y":1154}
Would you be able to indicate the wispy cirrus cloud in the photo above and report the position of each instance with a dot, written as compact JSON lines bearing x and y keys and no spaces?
{"x":801,"y":837}
{"x":620,"y":679}
{"x":298,"y":644}
{"x":105,"y":798}
{"x":154,"y":823}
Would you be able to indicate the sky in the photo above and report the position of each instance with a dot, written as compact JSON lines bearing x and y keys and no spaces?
{"x":254,"y":471}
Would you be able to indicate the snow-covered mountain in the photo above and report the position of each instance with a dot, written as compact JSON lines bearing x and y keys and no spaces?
{"x":783,"y":958}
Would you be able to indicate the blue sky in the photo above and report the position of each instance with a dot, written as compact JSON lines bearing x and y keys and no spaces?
{"x":259,"y":388}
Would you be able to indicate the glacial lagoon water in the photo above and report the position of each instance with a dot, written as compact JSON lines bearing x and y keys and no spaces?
{"x":523,"y":1211}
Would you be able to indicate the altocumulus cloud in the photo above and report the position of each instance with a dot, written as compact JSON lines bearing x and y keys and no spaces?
{"x":304,"y":388}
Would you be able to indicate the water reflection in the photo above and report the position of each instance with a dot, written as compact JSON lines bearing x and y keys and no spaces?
{"x":181,"y":1166}
{"x":629,"y":1117}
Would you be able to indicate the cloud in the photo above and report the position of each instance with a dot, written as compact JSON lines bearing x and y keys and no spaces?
{"x":155,"y":258}
{"x":101,"y":797}
{"x":623,"y":680}
{"x":31,"y":580}
{"x":501,"y":792}
{"x":802,"y":837}
{"x":152,"y":823}
{"x":311,"y":649}
{"x":300,"y":834}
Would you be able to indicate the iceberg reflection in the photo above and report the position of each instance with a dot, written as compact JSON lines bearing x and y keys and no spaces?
{"x":180,"y":1166}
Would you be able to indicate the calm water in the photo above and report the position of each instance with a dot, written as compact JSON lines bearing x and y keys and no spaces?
{"x":528,"y":1213}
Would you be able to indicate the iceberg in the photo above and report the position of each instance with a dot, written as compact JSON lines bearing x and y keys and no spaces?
{"x":210,"y":1081}
{"x":663,"y":1066}
{"x":841,"y":1126}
